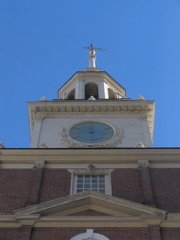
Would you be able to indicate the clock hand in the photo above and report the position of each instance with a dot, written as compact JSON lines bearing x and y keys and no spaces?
{"x":88,"y":130}
{"x":91,"y":128}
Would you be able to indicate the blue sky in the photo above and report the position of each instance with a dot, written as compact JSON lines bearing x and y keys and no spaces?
{"x":41,"y":47}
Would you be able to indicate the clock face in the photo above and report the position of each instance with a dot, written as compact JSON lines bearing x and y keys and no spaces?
{"x":91,"y":132}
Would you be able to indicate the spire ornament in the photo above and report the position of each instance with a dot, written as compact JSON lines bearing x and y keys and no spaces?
{"x":92,"y":57}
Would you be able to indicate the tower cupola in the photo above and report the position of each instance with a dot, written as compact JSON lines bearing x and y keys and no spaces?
{"x":91,"y":83}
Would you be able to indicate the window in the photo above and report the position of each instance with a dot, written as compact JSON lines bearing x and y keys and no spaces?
{"x":91,"y":178}
{"x":91,"y":182}
{"x":91,"y":89}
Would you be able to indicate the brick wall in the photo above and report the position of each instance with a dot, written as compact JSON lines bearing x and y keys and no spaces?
{"x":126,"y":183}
{"x":55,"y":184}
{"x":15,"y":185}
{"x":166,"y":188}
{"x":170,"y":233}
{"x":67,"y":233}
{"x":9,"y":233}
{"x":111,"y":233}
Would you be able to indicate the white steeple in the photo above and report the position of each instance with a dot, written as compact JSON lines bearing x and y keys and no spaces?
{"x":92,"y":59}
{"x":91,"y":99}
{"x":91,"y":83}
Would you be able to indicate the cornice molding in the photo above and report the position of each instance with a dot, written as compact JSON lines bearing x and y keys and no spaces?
{"x":143,"y":163}
{"x":40,"y":110}
{"x":155,"y":156}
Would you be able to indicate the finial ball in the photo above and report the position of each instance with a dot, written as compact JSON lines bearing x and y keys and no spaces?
{"x":92,"y":52}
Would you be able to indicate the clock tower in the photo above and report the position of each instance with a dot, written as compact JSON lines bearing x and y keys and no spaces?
{"x":91,"y":171}
{"x":91,"y":111}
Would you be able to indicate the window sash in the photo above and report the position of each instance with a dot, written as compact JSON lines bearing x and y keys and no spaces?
{"x":91,"y":182}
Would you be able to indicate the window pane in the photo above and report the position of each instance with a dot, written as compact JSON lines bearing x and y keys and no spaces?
{"x":91,"y":182}
{"x":102,"y":190}
{"x":94,"y":180}
{"x":87,"y":180}
{"x":79,"y":190}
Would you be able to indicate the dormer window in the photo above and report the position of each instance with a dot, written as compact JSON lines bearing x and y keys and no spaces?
{"x":91,"y":89}
{"x":71,"y":95}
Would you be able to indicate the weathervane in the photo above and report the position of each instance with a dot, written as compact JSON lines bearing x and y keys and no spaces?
{"x":92,"y":58}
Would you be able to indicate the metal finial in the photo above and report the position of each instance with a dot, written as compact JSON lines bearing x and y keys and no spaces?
{"x":92,"y":57}
{"x":93,"y":48}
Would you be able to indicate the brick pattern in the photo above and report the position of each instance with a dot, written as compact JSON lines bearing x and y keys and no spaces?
{"x":148,"y":198}
{"x":170,"y":233}
{"x":24,"y":233}
{"x":21,"y":187}
{"x":9,"y":233}
{"x":111,"y":233}
{"x":14,"y":188}
{"x":35,"y":186}
{"x":166,"y":188}
{"x":150,"y":233}
{"x":154,"y":232}
{"x":126,"y":183}
{"x":90,"y":212}
{"x":55,"y":184}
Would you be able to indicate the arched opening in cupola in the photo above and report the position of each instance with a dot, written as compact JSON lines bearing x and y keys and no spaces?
{"x":91,"y":89}
{"x":71,"y":95}
{"x":111,"y":94}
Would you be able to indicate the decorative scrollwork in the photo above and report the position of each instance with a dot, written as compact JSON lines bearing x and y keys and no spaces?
{"x":143,"y":117}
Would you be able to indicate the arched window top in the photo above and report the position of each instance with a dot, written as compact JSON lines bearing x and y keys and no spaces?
{"x":112,"y":94}
{"x":71,"y":95}
{"x":91,"y":89}
{"x":89,"y":235}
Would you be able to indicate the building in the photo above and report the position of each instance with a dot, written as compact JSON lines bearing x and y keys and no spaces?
{"x":91,"y":171}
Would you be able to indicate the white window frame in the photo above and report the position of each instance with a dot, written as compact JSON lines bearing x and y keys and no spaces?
{"x":96,"y":171}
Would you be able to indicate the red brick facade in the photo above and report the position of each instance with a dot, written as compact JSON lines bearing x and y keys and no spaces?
{"x":126,"y":183}
{"x":55,"y":184}
{"x":166,"y":188}
{"x":14,"y":188}
{"x":28,"y":233}
{"x":23,"y":187}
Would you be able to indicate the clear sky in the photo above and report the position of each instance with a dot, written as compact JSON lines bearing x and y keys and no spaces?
{"x":41,"y":47}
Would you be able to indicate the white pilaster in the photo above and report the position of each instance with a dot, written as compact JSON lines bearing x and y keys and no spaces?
{"x":145,"y":129}
{"x":79,"y":90}
{"x":36,"y":131}
{"x":103,"y":91}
